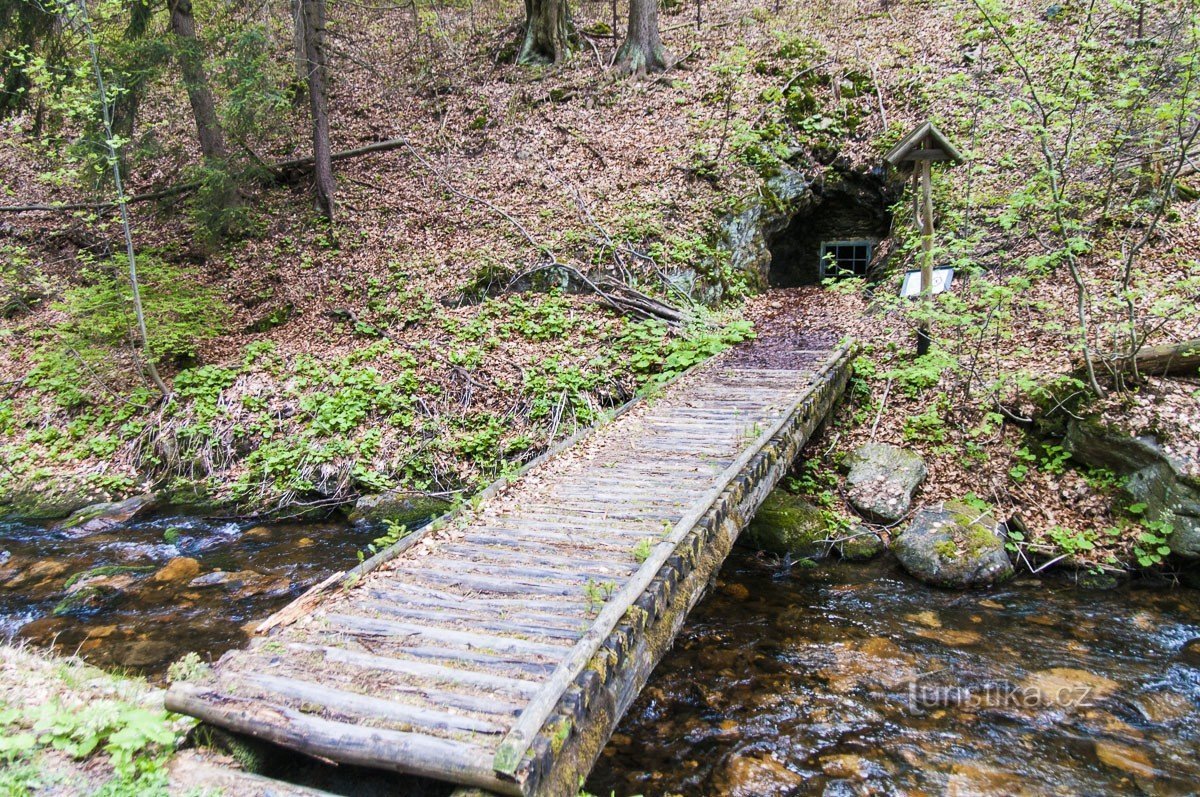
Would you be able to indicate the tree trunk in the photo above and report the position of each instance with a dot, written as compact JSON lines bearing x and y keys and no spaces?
{"x":643,"y":50}
{"x":547,"y":32}
{"x":195,"y":80}
{"x":313,"y":20}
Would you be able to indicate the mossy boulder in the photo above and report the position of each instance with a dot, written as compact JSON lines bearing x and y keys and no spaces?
{"x":48,"y":498}
{"x":954,"y":545}
{"x":399,"y":506}
{"x":787,"y":524}
{"x":882,"y":480}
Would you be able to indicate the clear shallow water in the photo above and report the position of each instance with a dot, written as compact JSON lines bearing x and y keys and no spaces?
{"x":137,"y":620}
{"x":853,"y":679}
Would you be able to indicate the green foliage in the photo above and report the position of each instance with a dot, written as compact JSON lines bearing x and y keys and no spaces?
{"x":394,"y":532}
{"x":80,"y":350}
{"x":137,"y":740}
{"x":922,"y":373}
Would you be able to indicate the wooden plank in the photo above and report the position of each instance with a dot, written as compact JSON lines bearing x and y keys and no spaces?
{"x":417,"y":632}
{"x":496,"y":585}
{"x":449,"y":617}
{"x":537,"y":554}
{"x":419,"y":669}
{"x":566,"y":617}
{"x":360,"y":707}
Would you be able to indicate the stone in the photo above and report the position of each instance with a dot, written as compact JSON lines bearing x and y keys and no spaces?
{"x":182,"y":568}
{"x":1125,"y":758}
{"x":243,"y":584}
{"x":1190,"y":652}
{"x":882,"y":481}
{"x":399,"y":506}
{"x":147,"y":652}
{"x":787,"y":524}
{"x":1152,"y":477}
{"x":845,"y":766}
{"x":259,"y":533}
{"x":860,"y":545}
{"x":1067,"y":686}
{"x":754,"y":776}
{"x":103,"y":517}
{"x":36,"y":573}
{"x":950,"y":637}
{"x":953,"y":545}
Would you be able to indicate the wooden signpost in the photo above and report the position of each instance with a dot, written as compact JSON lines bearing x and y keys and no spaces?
{"x":918,"y":150}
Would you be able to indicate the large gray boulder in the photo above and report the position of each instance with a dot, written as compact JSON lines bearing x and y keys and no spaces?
{"x":399,"y":506}
{"x":1166,"y":485}
{"x":953,"y":545}
{"x":788,"y":524}
{"x":882,"y":481}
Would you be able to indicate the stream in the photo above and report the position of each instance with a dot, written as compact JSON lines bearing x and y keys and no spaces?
{"x":146,"y":593}
{"x":854,"y":679}
{"x":840,"y":679}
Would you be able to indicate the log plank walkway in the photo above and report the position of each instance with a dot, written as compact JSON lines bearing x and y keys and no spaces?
{"x":499,"y":648}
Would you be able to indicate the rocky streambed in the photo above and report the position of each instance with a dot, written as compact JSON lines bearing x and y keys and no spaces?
{"x":138,"y":593}
{"x":850,"y":678}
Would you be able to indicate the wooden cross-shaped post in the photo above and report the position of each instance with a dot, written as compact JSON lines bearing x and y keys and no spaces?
{"x":918,"y":150}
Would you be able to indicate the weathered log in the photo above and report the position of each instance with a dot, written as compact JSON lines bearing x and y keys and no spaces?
{"x":279,"y":167}
{"x":416,"y":754}
{"x":1168,"y":359}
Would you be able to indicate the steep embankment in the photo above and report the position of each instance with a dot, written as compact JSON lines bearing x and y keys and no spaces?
{"x":311,"y":364}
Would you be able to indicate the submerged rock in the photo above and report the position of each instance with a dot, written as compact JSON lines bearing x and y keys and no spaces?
{"x":241,"y":584}
{"x":182,"y":568}
{"x":755,"y":776}
{"x":882,"y":481}
{"x":103,"y":517}
{"x":26,"y":575}
{"x":399,"y":506}
{"x":953,"y":545}
{"x":788,"y":524}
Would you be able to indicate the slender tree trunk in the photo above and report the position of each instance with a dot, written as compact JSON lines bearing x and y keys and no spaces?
{"x":195,"y":80}
{"x":299,"y":57}
{"x":548,"y":32}
{"x":643,"y":50}
{"x":312,"y":18}
{"x":143,"y":352}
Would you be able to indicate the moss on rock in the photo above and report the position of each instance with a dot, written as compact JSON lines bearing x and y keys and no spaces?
{"x":788,"y":524}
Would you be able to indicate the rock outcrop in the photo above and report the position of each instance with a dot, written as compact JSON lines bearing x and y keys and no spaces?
{"x":1166,"y":485}
{"x":399,"y":506}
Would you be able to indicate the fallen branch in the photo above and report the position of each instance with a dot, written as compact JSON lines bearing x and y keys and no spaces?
{"x":279,"y":167}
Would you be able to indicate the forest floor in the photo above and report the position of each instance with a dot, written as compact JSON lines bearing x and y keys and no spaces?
{"x":324,"y":363}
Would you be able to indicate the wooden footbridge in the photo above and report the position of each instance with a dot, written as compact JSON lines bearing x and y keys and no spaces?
{"x":498,"y":647}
